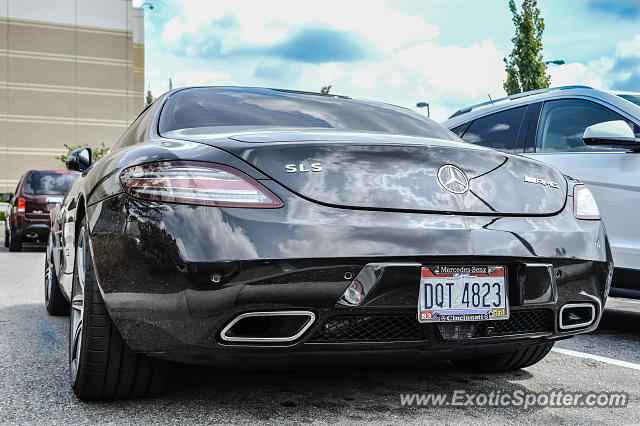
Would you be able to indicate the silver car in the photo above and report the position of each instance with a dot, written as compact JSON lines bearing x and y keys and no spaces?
{"x":590,"y":135}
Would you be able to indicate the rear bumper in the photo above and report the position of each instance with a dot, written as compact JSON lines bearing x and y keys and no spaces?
{"x":316,"y":355}
{"x":32,"y":230}
{"x":186,"y":326}
{"x":156,"y":266}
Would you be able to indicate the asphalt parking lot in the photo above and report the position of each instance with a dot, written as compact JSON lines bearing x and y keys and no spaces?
{"x":34,"y":381}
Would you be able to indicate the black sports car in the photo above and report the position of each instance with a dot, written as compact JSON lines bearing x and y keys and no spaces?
{"x":260,"y":227}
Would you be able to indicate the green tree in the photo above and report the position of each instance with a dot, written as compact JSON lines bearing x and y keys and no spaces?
{"x":325,"y":90}
{"x":525,"y":68}
{"x":96,"y":153}
{"x":149,"y":98}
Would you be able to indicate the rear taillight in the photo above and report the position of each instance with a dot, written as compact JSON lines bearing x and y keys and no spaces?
{"x":192,"y":182}
{"x":584,"y":205}
{"x":22,"y":205}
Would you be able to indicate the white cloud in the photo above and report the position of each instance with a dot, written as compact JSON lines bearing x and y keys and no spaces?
{"x":271,"y":21}
{"x":594,"y":74}
{"x":567,"y":74}
{"x":448,"y":77}
{"x":173,"y":30}
{"x":629,"y":47}
{"x":601,"y":73}
{"x":409,"y":66}
{"x":201,"y":78}
{"x":471,"y":71}
{"x":192,"y":39}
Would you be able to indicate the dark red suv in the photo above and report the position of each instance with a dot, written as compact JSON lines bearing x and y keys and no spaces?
{"x":27,"y":218}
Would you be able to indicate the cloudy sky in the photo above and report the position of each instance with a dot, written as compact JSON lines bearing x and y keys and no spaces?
{"x":445,"y":52}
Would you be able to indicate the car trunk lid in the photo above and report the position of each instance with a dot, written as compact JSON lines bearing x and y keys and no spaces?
{"x":39,"y":206}
{"x":388,"y":172}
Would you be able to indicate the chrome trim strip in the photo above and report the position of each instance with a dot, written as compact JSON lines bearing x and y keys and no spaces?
{"x":579,"y":325}
{"x":311,"y":320}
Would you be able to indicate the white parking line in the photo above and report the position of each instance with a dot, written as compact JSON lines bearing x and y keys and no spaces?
{"x":597,"y":358}
{"x":617,"y":299}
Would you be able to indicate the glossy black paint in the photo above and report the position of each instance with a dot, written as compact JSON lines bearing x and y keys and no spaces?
{"x":154,"y":261}
{"x":374,"y":171}
{"x":155,"y":267}
{"x":236,"y":108}
{"x":79,"y":159}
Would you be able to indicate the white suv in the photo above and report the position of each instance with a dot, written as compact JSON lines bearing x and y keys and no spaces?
{"x":591,"y":135}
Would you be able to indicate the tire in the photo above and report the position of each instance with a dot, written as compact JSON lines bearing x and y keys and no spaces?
{"x":507,"y":361}
{"x":6,"y":237}
{"x":15,"y":243}
{"x":54,"y":300}
{"x":102,"y":367}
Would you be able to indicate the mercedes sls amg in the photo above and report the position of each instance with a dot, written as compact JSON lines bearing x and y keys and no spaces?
{"x":251,"y":227}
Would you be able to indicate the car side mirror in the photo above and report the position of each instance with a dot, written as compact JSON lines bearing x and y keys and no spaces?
{"x":79,"y":159}
{"x":615,"y":134}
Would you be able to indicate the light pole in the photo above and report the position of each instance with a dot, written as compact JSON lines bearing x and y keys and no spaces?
{"x":422,"y":105}
{"x":555,"y":62}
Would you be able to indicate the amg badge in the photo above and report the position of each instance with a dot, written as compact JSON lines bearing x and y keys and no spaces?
{"x":539,"y":181}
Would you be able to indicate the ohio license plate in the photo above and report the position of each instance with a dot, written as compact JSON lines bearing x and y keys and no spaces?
{"x":56,"y":200}
{"x":462,"y":293}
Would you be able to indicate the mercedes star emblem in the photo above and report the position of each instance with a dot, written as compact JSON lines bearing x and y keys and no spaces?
{"x":453,"y":179}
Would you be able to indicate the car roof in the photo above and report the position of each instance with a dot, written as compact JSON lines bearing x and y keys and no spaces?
{"x":298,"y":92}
{"x":63,"y":172}
{"x":469,"y":113}
{"x":256,"y":88}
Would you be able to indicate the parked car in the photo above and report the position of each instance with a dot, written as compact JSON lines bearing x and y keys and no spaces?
{"x":590,"y":135}
{"x":27,"y":218}
{"x":258,"y":227}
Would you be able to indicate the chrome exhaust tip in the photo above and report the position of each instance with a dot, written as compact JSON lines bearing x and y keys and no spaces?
{"x":576,"y":315}
{"x":268,"y":327}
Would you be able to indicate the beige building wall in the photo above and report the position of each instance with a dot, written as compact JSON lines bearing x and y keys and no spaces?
{"x":71,"y":72}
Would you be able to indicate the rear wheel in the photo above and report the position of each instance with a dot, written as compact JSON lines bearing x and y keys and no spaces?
{"x":54,"y":300}
{"x":102,"y":366}
{"x":6,"y":237}
{"x":15,"y":242}
{"x":506,"y":361}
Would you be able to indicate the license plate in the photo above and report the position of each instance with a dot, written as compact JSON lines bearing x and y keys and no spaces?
{"x":462,"y":293}
{"x":56,"y":200}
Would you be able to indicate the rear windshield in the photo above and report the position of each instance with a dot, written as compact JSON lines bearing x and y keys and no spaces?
{"x":242,"y":107}
{"x":632,"y":98}
{"x":49,"y":183}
